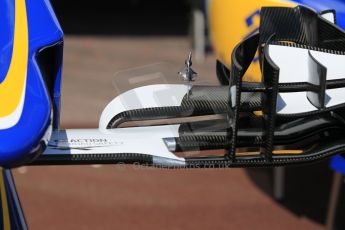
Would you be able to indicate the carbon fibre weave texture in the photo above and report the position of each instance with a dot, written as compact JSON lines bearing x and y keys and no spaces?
{"x":110,"y":158}
{"x":300,"y":25}
{"x":203,"y":100}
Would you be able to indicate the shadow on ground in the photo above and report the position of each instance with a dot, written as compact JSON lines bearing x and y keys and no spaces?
{"x":307,"y":190}
{"x":130,"y":17}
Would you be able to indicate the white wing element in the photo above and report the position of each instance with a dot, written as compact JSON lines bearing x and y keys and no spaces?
{"x":138,"y":140}
{"x":96,"y":143}
{"x":151,"y":96}
{"x":294,"y":68}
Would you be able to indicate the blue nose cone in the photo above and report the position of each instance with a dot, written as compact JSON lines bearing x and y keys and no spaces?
{"x":28,"y":28}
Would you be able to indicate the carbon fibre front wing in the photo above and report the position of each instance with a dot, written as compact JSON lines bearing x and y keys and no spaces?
{"x":295,"y":114}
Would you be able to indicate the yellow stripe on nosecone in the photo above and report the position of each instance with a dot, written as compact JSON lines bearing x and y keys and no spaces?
{"x":12,"y":88}
{"x":4,"y":203}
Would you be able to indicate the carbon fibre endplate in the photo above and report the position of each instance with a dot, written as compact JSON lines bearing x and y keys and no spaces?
{"x":288,"y":35}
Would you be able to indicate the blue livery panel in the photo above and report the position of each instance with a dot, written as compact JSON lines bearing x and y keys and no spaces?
{"x":26,"y":105}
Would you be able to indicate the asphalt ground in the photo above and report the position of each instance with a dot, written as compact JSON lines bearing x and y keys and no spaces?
{"x":128,"y":197}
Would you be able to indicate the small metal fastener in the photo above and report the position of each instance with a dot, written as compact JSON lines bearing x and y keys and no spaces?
{"x":188,"y":74}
